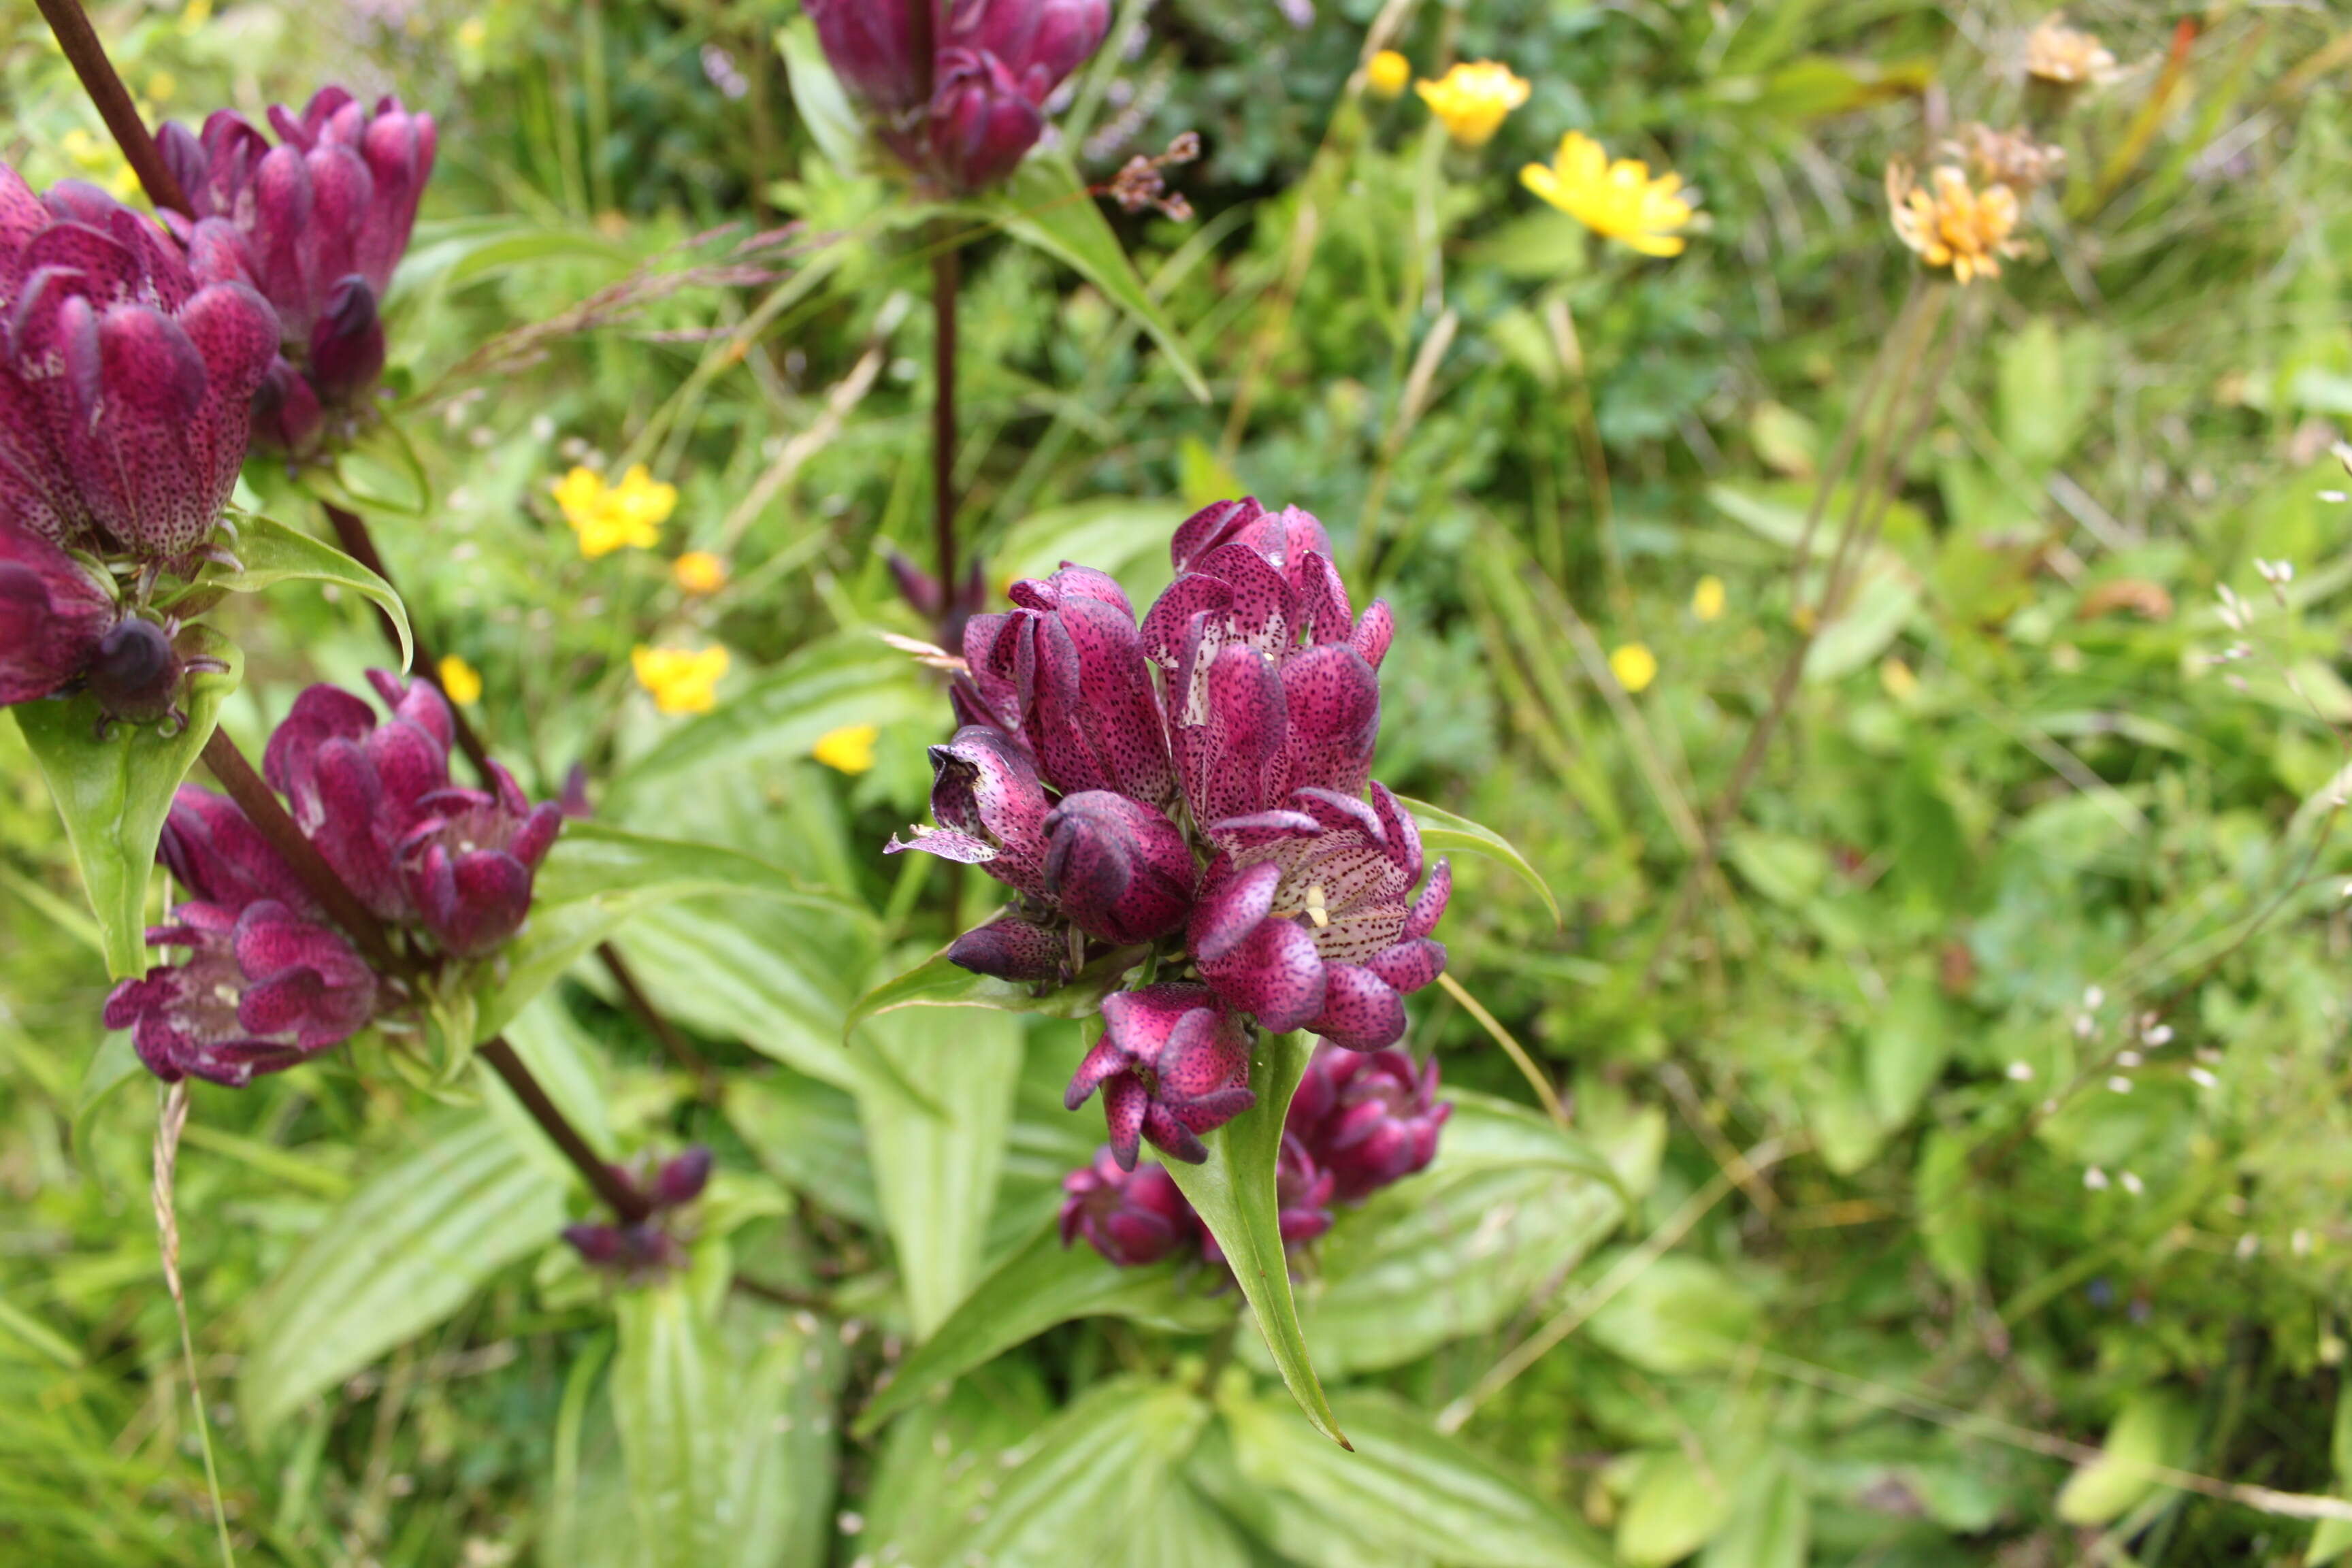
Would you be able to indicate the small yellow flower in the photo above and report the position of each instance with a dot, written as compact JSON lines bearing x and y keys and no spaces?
{"x":699,"y":572}
{"x":1617,"y":200}
{"x":1896,"y":679}
{"x":1388,"y":74}
{"x":1956,"y":226}
{"x":460,"y":681}
{"x":162,"y":85}
{"x":473,"y":33}
{"x":195,"y":15}
{"x":610,"y":517}
{"x":1473,"y":99}
{"x":1634,"y":666}
{"x":2066,"y":56}
{"x":849,"y":749}
{"x":681,"y":680}
{"x":1707,"y":599}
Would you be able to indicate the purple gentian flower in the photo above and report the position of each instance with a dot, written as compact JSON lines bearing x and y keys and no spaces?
{"x":1368,"y":1118}
{"x":1172,"y":1063}
{"x":1131,"y":1217}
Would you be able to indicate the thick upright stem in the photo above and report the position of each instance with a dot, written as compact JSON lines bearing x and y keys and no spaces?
{"x":261,"y":808}
{"x":352,"y":533}
{"x":947,"y":278}
{"x":78,"y":40}
{"x":619,"y":1195}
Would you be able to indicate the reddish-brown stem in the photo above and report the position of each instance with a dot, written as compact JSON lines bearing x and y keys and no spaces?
{"x":947,"y":278}
{"x":352,"y":533}
{"x":672,"y":1038}
{"x":619,"y":1195}
{"x":78,"y":40}
{"x":261,"y":808}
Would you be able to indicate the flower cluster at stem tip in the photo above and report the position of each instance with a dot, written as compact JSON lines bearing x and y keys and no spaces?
{"x":1195,"y":791}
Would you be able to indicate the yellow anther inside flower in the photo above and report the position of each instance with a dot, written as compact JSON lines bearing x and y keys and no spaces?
{"x":1473,"y":99}
{"x":1314,"y":910}
{"x":681,"y":680}
{"x":460,"y":681}
{"x":1954,"y":226}
{"x":1388,"y":74}
{"x":610,"y":517}
{"x":849,"y":749}
{"x":1619,"y":200}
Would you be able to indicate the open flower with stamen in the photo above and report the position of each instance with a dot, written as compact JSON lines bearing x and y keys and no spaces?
{"x":125,"y":382}
{"x":1172,"y":1063}
{"x":1950,"y":224}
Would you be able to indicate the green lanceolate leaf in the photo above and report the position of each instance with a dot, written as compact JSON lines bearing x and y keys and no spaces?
{"x":1442,"y":833}
{"x":1233,"y":1193}
{"x":936,"y":982}
{"x":115,"y":792}
{"x":1043,"y":1284}
{"x":1093,"y":1474}
{"x":272,"y":552}
{"x":670,"y":1384}
{"x":402,"y":1254}
{"x":1048,"y":207}
{"x":819,"y":99}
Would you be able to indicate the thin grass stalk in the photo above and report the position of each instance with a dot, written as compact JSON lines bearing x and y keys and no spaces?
{"x":947,"y":283}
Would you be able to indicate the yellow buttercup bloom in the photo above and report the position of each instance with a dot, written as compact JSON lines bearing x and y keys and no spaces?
{"x":1707,"y":599}
{"x":699,"y":572}
{"x":1954,"y":226}
{"x":610,"y":517}
{"x":681,"y":680}
{"x":1388,"y":74}
{"x":849,"y":749}
{"x":460,"y":681}
{"x":1619,"y":200}
{"x":1473,"y":100}
{"x":1634,"y":666}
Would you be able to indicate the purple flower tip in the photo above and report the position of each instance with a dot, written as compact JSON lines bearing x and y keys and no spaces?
{"x":1172,"y":1063}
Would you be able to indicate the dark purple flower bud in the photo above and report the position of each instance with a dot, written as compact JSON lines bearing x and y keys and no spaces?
{"x":991,"y":808}
{"x":1131,"y":1218}
{"x":870,"y":43}
{"x":286,"y":417}
{"x":357,"y":788}
{"x":123,"y":384}
{"x":469,"y":866}
{"x":682,"y":1178}
{"x":1172,"y":1063}
{"x":574,"y":799}
{"x":1368,"y":1118}
{"x":981,"y":122}
{"x":918,"y":587}
{"x":136,"y":673}
{"x":53,"y":613}
{"x":1307,"y":920}
{"x":1302,"y":1195}
{"x":260,"y":990}
{"x":1012,"y":947}
{"x":599,"y":1245}
{"x":220,"y":857}
{"x":1041,"y":42}
{"x":1119,"y":868}
{"x":347,"y":344}
{"x":1065,"y":672}
{"x":634,"y":1252}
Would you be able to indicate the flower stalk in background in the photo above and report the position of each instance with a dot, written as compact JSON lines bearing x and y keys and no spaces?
{"x":1617,"y":200}
{"x":1473,"y":100}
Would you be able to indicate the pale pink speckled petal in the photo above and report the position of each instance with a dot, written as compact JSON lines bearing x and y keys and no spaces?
{"x":1232,"y":905}
{"x":1125,"y":1104}
{"x":1333,"y":701}
{"x":1409,"y":966}
{"x":1361,"y":1011}
{"x":1431,"y":906}
{"x":1275,"y":973}
{"x":1373,"y":633}
{"x":1260,"y":612}
{"x":1210,"y":527}
{"x":1167,"y":627}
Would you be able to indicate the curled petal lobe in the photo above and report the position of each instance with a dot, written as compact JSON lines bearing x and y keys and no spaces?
{"x":1233,"y":905}
{"x":1361,"y":1011}
{"x":1428,"y":909}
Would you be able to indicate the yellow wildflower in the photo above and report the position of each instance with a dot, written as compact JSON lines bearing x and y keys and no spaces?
{"x":195,"y":15}
{"x":681,"y":680}
{"x":849,"y":749}
{"x":1956,"y":226}
{"x":1388,"y":74}
{"x":609,"y":517}
{"x":473,"y":33}
{"x":2066,"y":56}
{"x":1618,"y":200}
{"x":460,"y":681}
{"x":1707,"y":599}
{"x":162,"y":85}
{"x":1896,"y":679}
{"x":1634,"y":666}
{"x":699,"y":572}
{"x":1473,"y":99}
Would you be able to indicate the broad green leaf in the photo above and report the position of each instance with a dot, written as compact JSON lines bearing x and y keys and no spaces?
{"x":1771,"y":1523}
{"x":1672,"y":1508}
{"x":1233,"y":1192}
{"x":807,"y":1133}
{"x":671,"y":1387}
{"x":1294,"y":1529}
{"x":945,"y":1459}
{"x":115,"y":792}
{"x":786,"y":710}
{"x":1442,"y":833}
{"x":1047,"y":206}
{"x":2154,"y":1429}
{"x":1091,"y":1476}
{"x":1679,"y":1315}
{"x":818,"y":100}
{"x":936,"y":982}
{"x":786,"y":1369}
{"x":271,"y":552}
{"x":707,"y":965}
{"x":1512,"y":1202}
{"x":1044,"y":1284}
{"x":936,"y":1169}
{"x":1405,"y":1486}
{"x":405,"y":1252}
{"x":597,"y":877}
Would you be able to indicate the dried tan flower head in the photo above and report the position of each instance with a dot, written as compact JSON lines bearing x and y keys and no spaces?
{"x":2010,"y":158}
{"x":2069,"y":57}
{"x":1952,"y":224}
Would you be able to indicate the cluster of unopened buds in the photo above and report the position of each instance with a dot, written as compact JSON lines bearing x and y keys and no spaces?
{"x":1142,"y":181}
{"x":655,"y":1245}
{"x":1358,"y":1123}
{"x":963,"y":119}
{"x":270,"y":978}
{"x":1188,"y":796}
{"x":138,"y":358}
